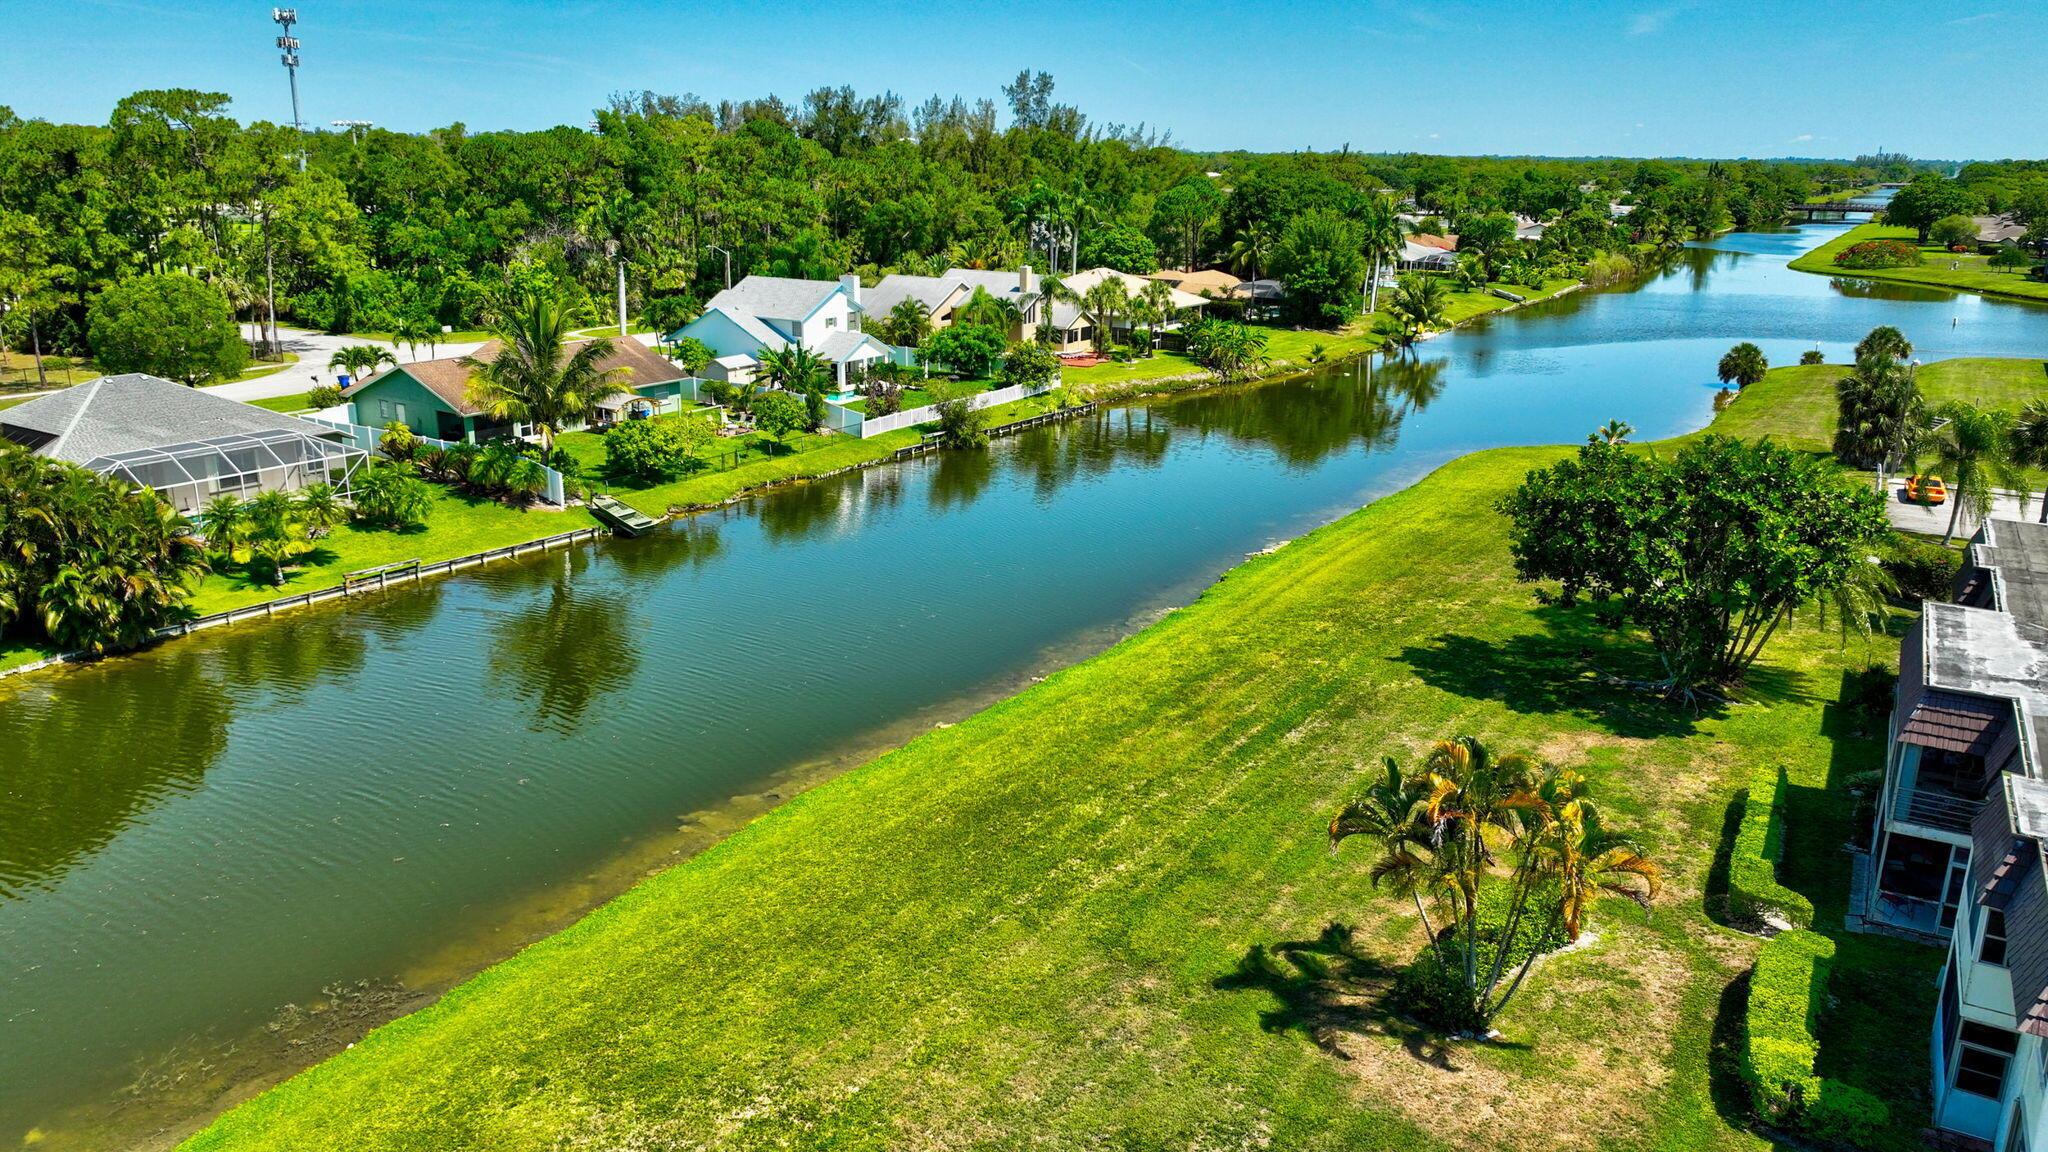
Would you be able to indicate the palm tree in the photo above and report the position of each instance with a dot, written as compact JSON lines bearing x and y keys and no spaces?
{"x":908,"y":323}
{"x":1155,"y":304}
{"x":320,"y":509}
{"x":2030,"y":443}
{"x":1247,"y":255}
{"x":1104,"y":303}
{"x":360,"y":361}
{"x":1743,"y":365}
{"x":1380,"y":231}
{"x":793,"y":368}
{"x":1000,"y":313}
{"x":1613,"y":432}
{"x":533,"y":379}
{"x":275,"y":533}
{"x":225,"y":520}
{"x":1420,"y":304}
{"x":1879,"y":414}
{"x":1885,"y":340}
{"x":1406,"y":862}
{"x":413,"y":330}
{"x":1973,"y":454}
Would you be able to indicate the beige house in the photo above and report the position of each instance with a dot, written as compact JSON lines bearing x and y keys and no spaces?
{"x":1075,"y":332}
{"x":943,"y":296}
{"x":1211,"y":282}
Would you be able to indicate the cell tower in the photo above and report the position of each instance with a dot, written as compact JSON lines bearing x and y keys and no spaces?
{"x":289,"y":45}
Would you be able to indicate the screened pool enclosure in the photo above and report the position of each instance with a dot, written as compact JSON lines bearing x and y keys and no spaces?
{"x":187,"y":475}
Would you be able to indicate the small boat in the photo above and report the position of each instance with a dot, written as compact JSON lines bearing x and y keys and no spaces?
{"x":620,"y":516}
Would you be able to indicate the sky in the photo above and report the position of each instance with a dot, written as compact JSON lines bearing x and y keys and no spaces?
{"x":1596,"y":77}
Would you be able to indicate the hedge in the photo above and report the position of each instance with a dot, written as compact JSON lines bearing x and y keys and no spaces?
{"x":1787,"y":992}
{"x":1753,"y":889}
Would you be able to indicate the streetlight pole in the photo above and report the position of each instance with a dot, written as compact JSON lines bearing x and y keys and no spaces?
{"x":288,"y":44}
{"x":728,"y":263}
{"x":356,"y":128}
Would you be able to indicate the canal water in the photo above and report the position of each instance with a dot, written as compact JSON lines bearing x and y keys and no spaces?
{"x":226,"y":857}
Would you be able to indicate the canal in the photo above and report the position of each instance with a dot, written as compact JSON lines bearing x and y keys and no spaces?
{"x":226,"y":857}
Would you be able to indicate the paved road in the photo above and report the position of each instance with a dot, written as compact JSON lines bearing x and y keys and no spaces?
{"x":315,"y":349}
{"x":1933,"y":521}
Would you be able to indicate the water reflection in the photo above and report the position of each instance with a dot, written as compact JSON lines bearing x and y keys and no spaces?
{"x":793,"y":514}
{"x":76,"y":775}
{"x":1360,"y":404}
{"x":577,"y":643}
{"x":959,"y":478}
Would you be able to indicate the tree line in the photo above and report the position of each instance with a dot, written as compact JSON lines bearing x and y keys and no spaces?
{"x":403,"y":233}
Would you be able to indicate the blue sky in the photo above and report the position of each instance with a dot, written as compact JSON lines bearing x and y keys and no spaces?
{"x":1595,"y":77}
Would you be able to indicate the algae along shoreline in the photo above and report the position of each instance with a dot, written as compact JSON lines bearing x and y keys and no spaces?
{"x":1102,"y":911}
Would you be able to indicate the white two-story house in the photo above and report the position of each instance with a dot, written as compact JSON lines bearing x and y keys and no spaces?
{"x":770,"y":313}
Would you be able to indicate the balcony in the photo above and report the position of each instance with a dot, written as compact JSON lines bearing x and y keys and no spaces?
{"x":1935,"y":806}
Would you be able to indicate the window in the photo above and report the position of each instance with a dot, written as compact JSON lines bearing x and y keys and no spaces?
{"x":831,"y":321}
{"x":2016,"y":1134}
{"x":1981,"y":1059}
{"x":401,"y":413}
{"x":1991,"y":948}
{"x":384,"y":409}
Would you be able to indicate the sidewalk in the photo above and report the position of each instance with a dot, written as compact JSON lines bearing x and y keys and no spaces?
{"x":1933,"y":520}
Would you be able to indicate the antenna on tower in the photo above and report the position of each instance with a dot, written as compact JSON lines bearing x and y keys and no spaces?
{"x":288,"y":44}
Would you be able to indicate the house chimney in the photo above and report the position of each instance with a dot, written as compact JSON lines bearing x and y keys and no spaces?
{"x":1027,"y":284}
{"x":852,"y":284}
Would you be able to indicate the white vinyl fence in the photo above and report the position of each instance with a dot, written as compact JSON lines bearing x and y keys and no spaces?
{"x":877,"y":425}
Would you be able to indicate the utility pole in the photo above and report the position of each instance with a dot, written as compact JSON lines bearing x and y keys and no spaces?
{"x":619,"y":258}
{"x":728,"y":263}
{"x":289,"y":45}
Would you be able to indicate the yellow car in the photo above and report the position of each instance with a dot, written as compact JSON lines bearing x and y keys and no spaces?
{"x":1926,"y":490}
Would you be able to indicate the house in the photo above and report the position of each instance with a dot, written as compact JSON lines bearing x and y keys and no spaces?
{"x":943,"y":296}
{"x":1213,"y":283}
{"x":432,"y":396}
{"x":1429,"y":253}
{"x":775,"y":312}
{"x":1995,"y":232}
{"x":1961,"y":826}
{"x":186,"y":444}
{"x":1616,"y":210}
{"x":1073,"y":331}
{"x":1529,"y":229}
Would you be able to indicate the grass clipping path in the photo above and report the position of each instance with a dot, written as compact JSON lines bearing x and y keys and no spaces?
{"x":1031,"y":928}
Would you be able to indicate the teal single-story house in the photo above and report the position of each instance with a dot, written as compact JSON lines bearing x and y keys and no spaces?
{"x":432,"y":396}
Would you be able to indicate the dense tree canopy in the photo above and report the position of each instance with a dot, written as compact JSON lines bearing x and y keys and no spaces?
{"x":388,"y":230}
{"x":171,"y":325}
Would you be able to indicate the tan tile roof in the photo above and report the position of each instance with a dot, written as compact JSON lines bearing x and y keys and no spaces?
{"x":448,"y":378}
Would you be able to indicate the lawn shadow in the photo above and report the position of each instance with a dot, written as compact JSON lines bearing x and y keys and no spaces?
{"x":1715,"y":897}
{"x":1574,"y":666}
{"x":1724,"y":1055}
{"x":1328,"y":989}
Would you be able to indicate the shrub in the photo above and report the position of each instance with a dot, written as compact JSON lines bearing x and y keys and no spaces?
{"x":961,"y":424}
{"x":1922,"y":569}
{"x":1878,"y":254}
{"x":324,"y":396}
{"x":972,"y":350}
{"x":649,"y":450}
{"x":1787,"y":993}
{"x":1811,"y":357}
{"x":1753,"y":889}
{"x":399,"y":442}
{"x":170,"y":325}
{"x":779,"y":414}
{"x":391,"y":496}
{"x":1029,"y":365}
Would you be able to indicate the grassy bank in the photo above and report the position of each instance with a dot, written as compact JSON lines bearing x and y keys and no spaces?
{"x":1102,"y":914}
{"x":1967,"y":272}
{"x":1290,"y":348}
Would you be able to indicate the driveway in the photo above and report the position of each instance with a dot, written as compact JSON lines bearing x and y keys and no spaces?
{"x":315,"y":349}
{"x":1933,"y":520}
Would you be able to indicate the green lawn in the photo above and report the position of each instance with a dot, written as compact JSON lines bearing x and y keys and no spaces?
{"x":459,"y":525}
{"x":1289,"y":348}
{"x":1968,"y":272}
{"x":1101,"y":913}
{"x":296,"y":402}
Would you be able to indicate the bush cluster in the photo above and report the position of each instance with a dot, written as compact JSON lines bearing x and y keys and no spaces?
{"x":1432,"y":987}
{"x":1878,"y":254}
{"x":1786,"y":998}
{"x":656,"y":450}
{"x":1923,"y":569}
{"x":1753,"y":888}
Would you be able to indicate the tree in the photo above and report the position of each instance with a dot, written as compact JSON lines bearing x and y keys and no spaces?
{"x":972,"y":350}
{"x":320,"y":509}
{"x":1811,"y":357}
{"x":1320,"y":257}
{"x":413,"y":329}
{"x":1706,"y":553}
{"x":170,"y":325}
{"x":1953,"y":231}
{"x":391,"y":495}
{"x":1182,"y":217}
{"x":1420,"y":304}
{"x":1879,"y":414}
{"x":690,"y":354}
{"x":1491,"y":236}
{"x":1229,"y":350}
{"x":276,"y":533}
{"x":779,"y":414}
{"x":2030,"y":442}
{"x":1743,"y":365}
{"x":1928,"y":198}
{"x":1380,"y":235}
{"x":793,"y":368}
{"x":1613,"y":432}
{"x":225,"y":522}
{"x":2012,"y":258}
{"x":1029,"y":365}
{"x":962,"y":424}
{"x":1470,"y":821}
{"x":1887,"y":341}
{"x":907,"y":324}
{"x":360,"y":361}
{"x":1120,"y":246}
{"x":1973,"y":454}
{"x":533,"y":379}
{"x":655,"y":450}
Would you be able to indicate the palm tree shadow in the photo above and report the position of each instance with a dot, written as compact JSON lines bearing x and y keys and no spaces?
{"x":1327,"y":989}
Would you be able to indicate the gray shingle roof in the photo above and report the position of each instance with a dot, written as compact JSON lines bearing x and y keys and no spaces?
{"x":132,"y":412}
{"x":891,"y":290}
{"x":839,"y":345}
{"x":774,"y":297}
